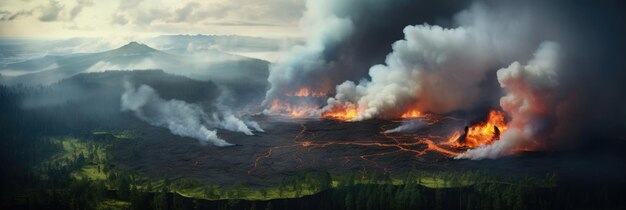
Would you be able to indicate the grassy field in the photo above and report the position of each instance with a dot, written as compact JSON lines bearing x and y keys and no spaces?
{"x":72,"y":149}
{"x":114,"y":205}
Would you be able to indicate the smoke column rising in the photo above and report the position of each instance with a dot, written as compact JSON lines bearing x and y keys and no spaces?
{"x":326,"y":29}
{"x":181,"y":118}
{"x":433,"y":69}
{"x":228,"y":121}
{"x":452,"y":65}
{"x":410,"y":125}
{"x":530,"y":100}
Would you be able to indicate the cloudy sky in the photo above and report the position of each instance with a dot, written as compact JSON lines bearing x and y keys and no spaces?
{"x":107,"y":18}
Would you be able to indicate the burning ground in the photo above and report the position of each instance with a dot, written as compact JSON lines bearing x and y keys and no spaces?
{"x":290,"y":146}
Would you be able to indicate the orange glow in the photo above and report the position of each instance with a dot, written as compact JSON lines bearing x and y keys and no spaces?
{"x":305,"y":92}
{"x":292,"y":111}
{"x":411,"y":114}
{"x":453,"y":140}
{"x":482,"y":133}
{"x":341,"y":113}
{"x":306,"y":143}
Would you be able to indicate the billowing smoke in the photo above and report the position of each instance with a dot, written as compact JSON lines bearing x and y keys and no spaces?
{"x":230,"y":122}
{"x":531,"y":99}
{"x":432,"y":69}
{"x":182,"y":118}
{"x":325,"y":29}
{"x":344,"y":38}
{"x":437,"y":69}
{"x":443,"y":66}
{"x":225,"y":119}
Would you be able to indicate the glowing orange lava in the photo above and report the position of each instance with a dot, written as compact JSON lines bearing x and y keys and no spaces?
{"x":341,"y":113}
{"x":290,"y":110}
{"x":305,"y":139}
{"x":306,"y":92}
{"x":453,"y":140}
{"x":482,"y":133}
{"x":411,"y":114}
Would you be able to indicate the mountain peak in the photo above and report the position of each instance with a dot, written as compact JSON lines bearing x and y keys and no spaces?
{"x":135,"y":47}
{"x":134,"y":43}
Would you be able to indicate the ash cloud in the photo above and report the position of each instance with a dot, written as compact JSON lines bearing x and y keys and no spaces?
{"x":433,"y":68}
{"x":181,"y":118}
{"x":326,"y":28}
{"x":440,"y":70}
{"x":447,"y":65}
{"x":345,"y":38}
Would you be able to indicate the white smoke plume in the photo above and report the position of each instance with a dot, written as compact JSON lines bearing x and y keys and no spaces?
{"x":437,"y":69}
{"x":325,"y":28}
{"x":225,"y":119}
{"x":179,"y":117}
{"x":228,"y":121}
{"x":254,"y":125}
{"x":530,"y":100}
{"x":410,"y":125}
{"x":433,"y":69}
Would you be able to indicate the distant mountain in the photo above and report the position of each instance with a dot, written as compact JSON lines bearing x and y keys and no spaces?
{"x":227,"y":43}
{"x":94,"y":98}
{"x":219,"y":67}
{"x":255,"y":47}
{"x":133,"y":48}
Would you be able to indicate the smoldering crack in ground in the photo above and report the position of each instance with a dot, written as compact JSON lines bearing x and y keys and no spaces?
{"x":290,"y":146}
{"x":365,"y":146}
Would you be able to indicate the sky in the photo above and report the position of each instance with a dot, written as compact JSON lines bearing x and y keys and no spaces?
{"x":123,"y":18}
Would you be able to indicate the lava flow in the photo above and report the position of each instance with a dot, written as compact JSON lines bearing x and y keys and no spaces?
{"x":378,"y":145}
{"x":344,"y":113}
{"x":411,"y":114}
{"x":305,"y":92}
{"x":293,"y":111}
{"x":485,"y":132}
{"x":302,"y":103}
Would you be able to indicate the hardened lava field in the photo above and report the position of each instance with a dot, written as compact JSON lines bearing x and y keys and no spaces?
{"x":292,"y":145}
